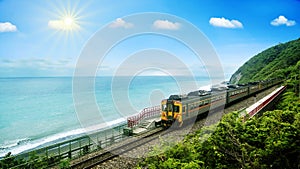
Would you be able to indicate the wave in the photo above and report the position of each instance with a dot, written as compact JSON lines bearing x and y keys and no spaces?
{"x":103,"y":126}
{"x":13,"y":143}
{"x":22,"y":145}
{"x":28,"y":144}
{"x":207,"y":87}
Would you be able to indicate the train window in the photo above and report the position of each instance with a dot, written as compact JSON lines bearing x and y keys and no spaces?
{"x":176,"y":108}
{"x":205,"y":101}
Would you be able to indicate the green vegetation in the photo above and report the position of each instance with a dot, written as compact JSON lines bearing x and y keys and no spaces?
{"x":275,"y":62}
{"x":33,"y":161}
{"x":267,"y":141}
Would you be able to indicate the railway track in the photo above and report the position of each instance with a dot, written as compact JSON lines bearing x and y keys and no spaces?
{"x":117,"y":151}
{"x":148,"y":137}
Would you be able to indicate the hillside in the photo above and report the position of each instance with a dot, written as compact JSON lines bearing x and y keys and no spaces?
{"x":267,"y":141}
{"x":275,"y":62}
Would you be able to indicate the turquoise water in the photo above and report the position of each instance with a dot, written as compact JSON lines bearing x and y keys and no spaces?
{"x":35,"y":111}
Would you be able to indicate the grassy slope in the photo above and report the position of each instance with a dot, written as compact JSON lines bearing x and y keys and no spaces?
{"x":271,"y":63}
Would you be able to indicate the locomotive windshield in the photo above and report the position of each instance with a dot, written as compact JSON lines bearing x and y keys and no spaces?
{"x":170,"y":107}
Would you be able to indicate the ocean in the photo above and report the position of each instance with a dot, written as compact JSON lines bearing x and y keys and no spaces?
{"x":36,"y":111}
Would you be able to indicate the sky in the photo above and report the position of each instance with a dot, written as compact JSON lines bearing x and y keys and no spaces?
{"x":46,"y":38}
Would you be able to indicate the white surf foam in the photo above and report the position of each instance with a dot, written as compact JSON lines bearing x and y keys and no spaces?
{"x":207,"y":87}
{"x":21,"y":145}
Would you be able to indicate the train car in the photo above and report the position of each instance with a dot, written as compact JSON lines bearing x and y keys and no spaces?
{"x":236,"y":94}
{"x":253,"y":88}
{"x":181,"y":108}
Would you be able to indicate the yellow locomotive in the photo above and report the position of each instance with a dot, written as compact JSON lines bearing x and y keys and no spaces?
{"x":171,"y":111}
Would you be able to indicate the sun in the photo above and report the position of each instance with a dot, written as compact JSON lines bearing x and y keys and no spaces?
{"x":66,"y":17}
{"x":66,"y":20}
{"x":69,"y":23}
{"x":65,"y":23}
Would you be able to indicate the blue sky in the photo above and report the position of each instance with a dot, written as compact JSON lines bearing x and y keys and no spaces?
{"x":45,"y":38}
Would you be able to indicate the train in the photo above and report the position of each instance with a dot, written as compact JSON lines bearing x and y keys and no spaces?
{"x":181,"y":108}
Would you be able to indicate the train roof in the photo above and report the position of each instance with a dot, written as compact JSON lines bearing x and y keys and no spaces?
{"x":216,"y":90}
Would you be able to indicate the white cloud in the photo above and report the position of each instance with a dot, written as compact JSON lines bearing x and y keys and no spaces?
{"x":120,"y":23}
{"x":56,"y":24}
{"x":65,"y":24}
{"x":165,"y":24}
{"x":35,"y":62}
{"x":7,"y":27}
{"x":36,"y":66}
{"x":225,"y":23}
{"x":282,"y":20}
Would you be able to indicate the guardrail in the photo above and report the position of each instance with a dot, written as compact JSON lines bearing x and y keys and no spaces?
{"x":261,"y":104}
{"x":145,"y":113}
{"x":76,"y":147}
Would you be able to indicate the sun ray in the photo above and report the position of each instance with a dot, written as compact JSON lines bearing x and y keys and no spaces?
{"x":66,"y":17}
{"x":67,"y":23}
